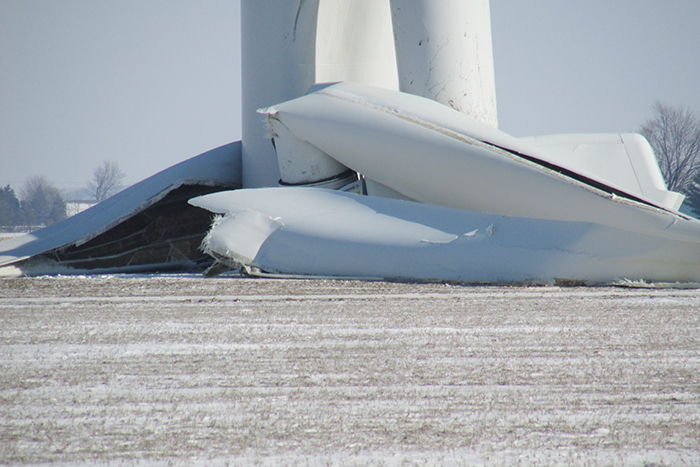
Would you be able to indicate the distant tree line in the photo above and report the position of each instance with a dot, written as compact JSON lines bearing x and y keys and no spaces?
{"x":39,"y":204}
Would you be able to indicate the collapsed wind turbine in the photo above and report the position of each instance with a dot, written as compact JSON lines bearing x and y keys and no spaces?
{"x":392,"y":169}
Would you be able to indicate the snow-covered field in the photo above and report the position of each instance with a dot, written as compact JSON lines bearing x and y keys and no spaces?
{"x":179,"y":369}
{"x":10,"y":235}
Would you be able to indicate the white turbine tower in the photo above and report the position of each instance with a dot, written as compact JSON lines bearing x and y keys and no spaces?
{"x":439,"y":49}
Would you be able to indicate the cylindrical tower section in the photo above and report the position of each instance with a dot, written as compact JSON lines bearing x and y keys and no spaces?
{"x":444,"y":53}
{"x":278,"y":40}
{"x":355,"y":42}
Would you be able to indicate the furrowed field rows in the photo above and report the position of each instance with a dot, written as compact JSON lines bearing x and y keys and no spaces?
{"x":181,"y":369}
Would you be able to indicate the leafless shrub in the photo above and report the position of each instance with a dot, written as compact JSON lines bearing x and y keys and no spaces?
{"x":674,"y":134}
{"x":107,"y":180}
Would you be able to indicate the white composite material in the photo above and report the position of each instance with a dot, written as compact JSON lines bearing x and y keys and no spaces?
{"x":625,"y":159}
{"x":430,"y":153}
{"x":309,"y":231}
{"x":474,"y":204}
{"x":434,"y":48}
{"x":444,"y":53}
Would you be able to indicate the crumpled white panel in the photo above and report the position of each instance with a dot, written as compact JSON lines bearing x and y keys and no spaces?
{"x":624,"y":159}
{"x":433,"y":154}
{"x":307,"y":231}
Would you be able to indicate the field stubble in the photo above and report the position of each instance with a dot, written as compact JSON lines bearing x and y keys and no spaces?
{"x":162,"y":369}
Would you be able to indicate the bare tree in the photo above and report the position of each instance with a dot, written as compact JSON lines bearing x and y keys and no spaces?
{"x":674,"y":134}
{"x":107,"y":179}
{"x":41,"y":202}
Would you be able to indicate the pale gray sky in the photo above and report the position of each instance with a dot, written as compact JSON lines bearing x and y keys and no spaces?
{"x":147,"y":83}
{"x":150,"y":83}
{"x":582,"y":66}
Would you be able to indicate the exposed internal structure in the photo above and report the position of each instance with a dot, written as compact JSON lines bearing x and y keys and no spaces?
{"x":164,"y":237}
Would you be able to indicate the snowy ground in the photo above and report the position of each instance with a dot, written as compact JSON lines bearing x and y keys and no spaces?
{"x":9,"y":235}
{"x":174,"y":370}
